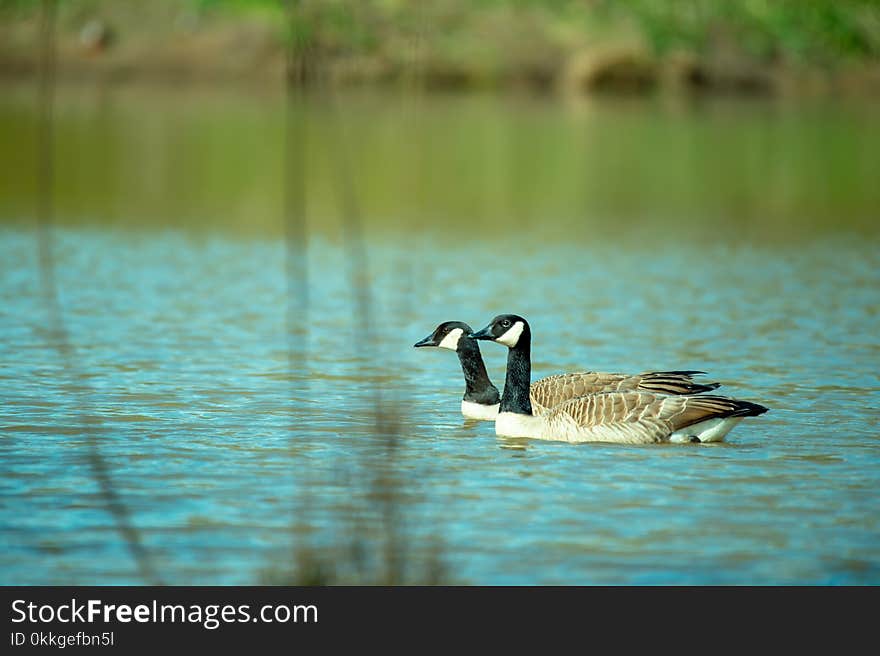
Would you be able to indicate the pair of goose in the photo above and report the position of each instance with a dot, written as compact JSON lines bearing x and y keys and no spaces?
{"x":661,"y":406}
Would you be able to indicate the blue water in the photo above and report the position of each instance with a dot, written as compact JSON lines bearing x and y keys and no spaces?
{"x":240,"y":425}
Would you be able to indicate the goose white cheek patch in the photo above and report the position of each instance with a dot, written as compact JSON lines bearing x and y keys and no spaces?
{"x":511,"y":337}
{"x":451,"y":340}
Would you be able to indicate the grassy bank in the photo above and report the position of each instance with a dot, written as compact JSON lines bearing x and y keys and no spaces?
{"x":639,"y":45}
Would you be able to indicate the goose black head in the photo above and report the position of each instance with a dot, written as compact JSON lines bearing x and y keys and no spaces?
{"x":446,"y":335}
{"x":506,"y":329}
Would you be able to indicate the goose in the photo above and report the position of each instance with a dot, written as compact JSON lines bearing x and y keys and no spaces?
{"x":633,"y":417}
{"x":481,"y":399}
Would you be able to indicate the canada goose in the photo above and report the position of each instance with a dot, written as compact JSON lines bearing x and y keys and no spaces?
{"x":481,"y":398}
{"x":634,"y":417}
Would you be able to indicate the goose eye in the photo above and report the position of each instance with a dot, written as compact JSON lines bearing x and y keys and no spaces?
{"x":505,"y":323}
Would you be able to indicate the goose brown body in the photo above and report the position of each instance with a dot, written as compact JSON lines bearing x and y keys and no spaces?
{"x":633,"y":417}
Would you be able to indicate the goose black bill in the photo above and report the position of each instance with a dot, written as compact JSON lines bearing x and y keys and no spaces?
{"x":485,"y":333}
{"x":427,"y":341}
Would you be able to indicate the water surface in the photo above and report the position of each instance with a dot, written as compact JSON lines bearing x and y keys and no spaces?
{"x":240,"y":419}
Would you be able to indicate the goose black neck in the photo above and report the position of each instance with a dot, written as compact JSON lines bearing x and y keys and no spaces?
{"x":478,"y":387}
{"x":518,"y":379}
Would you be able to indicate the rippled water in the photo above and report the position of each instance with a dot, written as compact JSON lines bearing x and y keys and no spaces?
{"x":233,"y":441}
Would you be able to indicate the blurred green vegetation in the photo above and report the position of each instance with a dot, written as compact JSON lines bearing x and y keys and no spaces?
{"x":484,"y":41}
{"x":816,"y":30}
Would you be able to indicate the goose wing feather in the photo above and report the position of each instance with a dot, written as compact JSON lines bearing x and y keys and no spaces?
{"x":553,"y":390}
